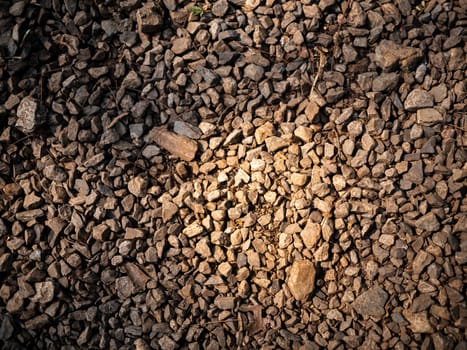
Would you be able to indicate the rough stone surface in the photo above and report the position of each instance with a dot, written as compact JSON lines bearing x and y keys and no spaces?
{"x":301,"y":279}
{"x":371,"y":302}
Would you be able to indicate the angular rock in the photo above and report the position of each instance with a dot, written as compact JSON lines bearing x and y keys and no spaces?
{"x":149,"y":19}
{"x":138,"y":186}
{"x":388,"y":55}
{"x":28,"y":118}
{"x":429,"y":116}
{"x":371,"y":302}
{"x":181,"y":45}
{"x":428,"y":222}
{"x":418,"y":99}
{"x":178,"y":145}
{"x":301,"y":279}
{"x":419,"y":322}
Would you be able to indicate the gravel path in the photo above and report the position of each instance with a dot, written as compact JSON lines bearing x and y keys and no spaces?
{"x":233,"y":174}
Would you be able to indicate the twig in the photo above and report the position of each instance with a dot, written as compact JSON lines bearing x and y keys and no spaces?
{"x":322,"y":63}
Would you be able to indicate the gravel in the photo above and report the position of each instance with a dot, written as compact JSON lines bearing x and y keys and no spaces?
{"x":233,"y":175}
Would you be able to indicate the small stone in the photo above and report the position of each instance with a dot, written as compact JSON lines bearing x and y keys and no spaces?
{"x":169,"y":209}
{"x":124,"y":286}
{"x":418,"y":99}
{"x":263,"y":132}
{"x":148,"y":19}
{"x":385,"y":82}
{"x":193,"y":230}
{"x":303,"y":133}
{"x":254,"y":72}
{"x":322,"y":253}
{"x":355,"y":128}
{"x":419,"y":322}
{"x":415,"y":174}
{"x":311,"y":110}
{"x":357,"y":16}
{"x":301,"y":279}
{"x":225,"y":303}
{"x":186,"y":129}
{"x":31,"y":201}
{"x":422,"y":260}
{"x":138,"y":186}
{"x":311,"y":234}
{"x":181,"y":45}
{"x":45,"y":292}
{"x":109,"y":26}
{"x":220,"y":8}
{"x":428,"y":222}
{"x":371,"y":302}
{"x":429,"y":116}
{"x":27,"y":115}
{"x":133,"y":233}
{"x":388,"y":54}
{"x":298,"y":179}
{"x":275,"y":143}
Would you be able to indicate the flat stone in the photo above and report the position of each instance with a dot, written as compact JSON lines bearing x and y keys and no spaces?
{"x":193,"y":230}
{"x":148,"y":19}
{"x":275,"y":143}
{"x":298,"y":179}
{"x":422,"y":260}
{"x":178,"y":145}
{"x":415,"y":174}
{"x":254,"y":72}
{"x":263,"y":132}
{"x":181,"y":45}
{"x":138,"y":186}
{"x":186,"y":129}
{"x":385,"y":82}
{"x":29,"y":215}
{"x":419,"y":322}
{"x":429,"y":116}
{"x":417,"y":99}
{"x":27,"y":115}
{"x":388,"y":55}
{"x":428,"y":222}
{"x":371,"y":302}
{"x":301,"y":279}
{"x":225,"y":303}
{"x":311,"y":234}
{"x":220,"y":8}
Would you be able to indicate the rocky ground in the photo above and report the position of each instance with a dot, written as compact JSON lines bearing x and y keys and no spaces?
{"x":233,"y":174}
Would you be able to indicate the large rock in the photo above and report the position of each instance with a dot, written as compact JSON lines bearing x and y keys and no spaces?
{"x":301,"y":279}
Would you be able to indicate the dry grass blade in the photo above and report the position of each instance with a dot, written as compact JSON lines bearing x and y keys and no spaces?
{"x":321,"y":65}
